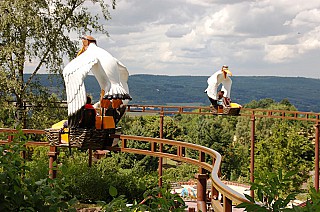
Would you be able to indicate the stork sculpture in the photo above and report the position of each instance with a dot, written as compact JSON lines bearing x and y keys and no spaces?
{"x":220,"y":100}
{"x":110,"y":73}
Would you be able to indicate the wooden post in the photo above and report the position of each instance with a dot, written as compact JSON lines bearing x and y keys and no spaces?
{"x":316,"y":168}
{"x":53,"y":155}
{"x":202,"y":159}
{"x":10,"y":138}
{"x":227,"y":204}
{"x":161,"y":149}
{"x":252,"y":151}
{"x":202,"y":192}
{"x":90,"y":157}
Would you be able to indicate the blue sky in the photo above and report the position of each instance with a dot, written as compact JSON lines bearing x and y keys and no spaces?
{"x":197,"y":37}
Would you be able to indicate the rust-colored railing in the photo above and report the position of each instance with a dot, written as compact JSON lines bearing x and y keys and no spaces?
{"x":205,"y":110}
{"x":253,"y":114}
{"x":229,"y":196}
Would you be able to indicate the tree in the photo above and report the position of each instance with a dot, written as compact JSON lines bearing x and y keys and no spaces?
{"x":286,"y":148}
{"x":38,"y":32}
{"x":277,"y":142}
{"x":149,"y":126}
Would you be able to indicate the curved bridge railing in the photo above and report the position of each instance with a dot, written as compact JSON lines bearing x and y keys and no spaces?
{"x":229,"y":196}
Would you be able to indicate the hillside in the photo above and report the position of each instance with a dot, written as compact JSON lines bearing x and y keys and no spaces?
{"x":179,"y":90}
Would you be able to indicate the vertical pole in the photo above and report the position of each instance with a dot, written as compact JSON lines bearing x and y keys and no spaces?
{"x":10,"y":138}
{"x":201,"y":159}
{"x":161,"y":149}
{"x":316,"y":174}
{"x":53,"y":154}
{"x":90,"y":157}
{"x":201,"y":192}
{"x":23,"y":154}
{"x":252,"y":151}
{"x":227,"y":204}
{"x":24,"y":115}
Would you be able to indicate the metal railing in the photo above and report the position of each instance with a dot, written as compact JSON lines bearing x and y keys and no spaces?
{"x":205,"y":110}
{"x":229,"y":196}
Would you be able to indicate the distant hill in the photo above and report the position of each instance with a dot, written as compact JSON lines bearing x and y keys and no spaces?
{"x":189,"y":90}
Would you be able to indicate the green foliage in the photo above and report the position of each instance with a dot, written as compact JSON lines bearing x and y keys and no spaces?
{"x":215,"y":132}
{"x":45,"y":112}
{"x":38,"y":163}
{"x":183,"y":173}
{"x":18,"y":192}
{"x":270,"y":189}
{"x":277,"y":149}
{"x":149,"y":126}
{"x":89,"y":184}
{"x":313,"y":204}
{"x":37,"y":33}
{"x":276,"y":140}
{"x":166,"y":201}
{"x":157,"y":199}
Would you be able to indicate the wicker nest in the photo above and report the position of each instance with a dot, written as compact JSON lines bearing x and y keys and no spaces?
{"x":82,"y":138}
{"x":227,"y":111}
{"x":231,"y":111}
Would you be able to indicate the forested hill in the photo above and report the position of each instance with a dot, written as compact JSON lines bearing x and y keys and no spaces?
{"x":182,"y":90}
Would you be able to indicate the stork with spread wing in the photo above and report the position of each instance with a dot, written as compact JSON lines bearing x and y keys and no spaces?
{"x":219,"y":77}
{"x":221,"y":99}
{"x":110,"y":73}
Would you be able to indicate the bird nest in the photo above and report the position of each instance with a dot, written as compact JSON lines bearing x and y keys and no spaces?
{"x":226,"y":111}
{"x":231,"y":111}
{"x":82,"y":138}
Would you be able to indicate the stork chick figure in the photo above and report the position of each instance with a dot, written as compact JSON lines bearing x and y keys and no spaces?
{"x":110,"y":73}
{"x":219,"y":77}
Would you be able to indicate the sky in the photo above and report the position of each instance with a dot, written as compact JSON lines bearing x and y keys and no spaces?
{"x":197,"y":37}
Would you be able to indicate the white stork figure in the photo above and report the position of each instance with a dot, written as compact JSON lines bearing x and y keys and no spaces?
{"x":219,"y":77}
{"x":110,"y":73}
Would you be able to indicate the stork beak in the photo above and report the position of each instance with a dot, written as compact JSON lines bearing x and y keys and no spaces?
{"x":227,"y":71}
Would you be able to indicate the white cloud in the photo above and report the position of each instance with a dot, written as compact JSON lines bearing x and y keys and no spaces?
{"x":310,"y":41}
{"x":195,"y":37}
{"x":279,"y":53}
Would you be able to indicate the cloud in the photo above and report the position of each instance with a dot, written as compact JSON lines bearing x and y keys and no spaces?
{"x":176,"y":31}
{"x":194,"y":37}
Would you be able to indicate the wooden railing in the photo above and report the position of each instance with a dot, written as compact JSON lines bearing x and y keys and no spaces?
{"x":205,"y":110}
{"x":229,"y":196}
{"x":246,"y":112}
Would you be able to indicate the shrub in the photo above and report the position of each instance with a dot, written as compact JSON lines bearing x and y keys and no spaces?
{"x":271,"y":192}
{"x":18,"y":192}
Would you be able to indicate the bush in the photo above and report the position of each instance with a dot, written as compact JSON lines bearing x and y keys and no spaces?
{"x":18,"y":192}
{"x":157,"y":199}
{"x":90,"y":184}
{"x":183,"y":172}
{"x":271,"y":189}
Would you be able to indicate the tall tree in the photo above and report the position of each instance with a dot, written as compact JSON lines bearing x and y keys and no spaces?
{"x":34,"y":35}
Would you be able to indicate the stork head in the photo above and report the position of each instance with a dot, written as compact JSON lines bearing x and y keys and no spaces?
{"x":225,"y":70}
{"x":86,"y":40}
